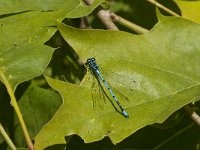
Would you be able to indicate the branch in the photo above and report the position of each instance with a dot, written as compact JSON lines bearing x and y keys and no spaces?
{"x":104,"y":16}
{"x":107,"y":18}
{"x":195,"y":117}
{"x":164,"y":8}
{"x":84,"y":23}
{"x":128,"y":24}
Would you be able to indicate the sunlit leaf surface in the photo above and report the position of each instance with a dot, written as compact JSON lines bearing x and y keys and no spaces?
{"x":189,"y":9}
{"x":24,"y":28}
{"x":158,"y":72}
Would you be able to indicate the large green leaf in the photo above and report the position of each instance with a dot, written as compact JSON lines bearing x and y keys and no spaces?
{"x":24,"y":28}
{"x":38,"y":106}
{"x":56,"y":8}
{"x":158,"y":72}
{"x":23,"y":54}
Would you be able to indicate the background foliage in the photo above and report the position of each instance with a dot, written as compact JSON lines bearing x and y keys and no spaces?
{"x":42,"y":56}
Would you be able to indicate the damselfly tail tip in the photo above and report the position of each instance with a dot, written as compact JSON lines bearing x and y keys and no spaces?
{"x":125,"y":114}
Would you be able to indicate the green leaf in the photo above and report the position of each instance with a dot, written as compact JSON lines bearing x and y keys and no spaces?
{"x":24,"y":29}
{"x":56,"y":9}
{"x":23,"y":54}
{"x":189,"y":9}
{"x":1,"y":139}
{"x":38,"y":106}
{"x":83,"y":10}
{"x":158,"y":72}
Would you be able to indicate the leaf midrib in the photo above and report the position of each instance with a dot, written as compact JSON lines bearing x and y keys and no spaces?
{"x":167,"y":71}
{"x":189,"y":87}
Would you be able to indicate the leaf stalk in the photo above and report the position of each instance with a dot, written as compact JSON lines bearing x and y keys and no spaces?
{"x":18,"y":112}
{"x":7,"y":138}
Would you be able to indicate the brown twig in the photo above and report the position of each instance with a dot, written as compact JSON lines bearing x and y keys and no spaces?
{"x":84,"y":23}
{"x":104,"y":16}
{"x":195,"y":117}
{"x":108,"y":18}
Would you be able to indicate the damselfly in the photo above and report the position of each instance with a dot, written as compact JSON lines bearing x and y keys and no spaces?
{"x":94,"y":68}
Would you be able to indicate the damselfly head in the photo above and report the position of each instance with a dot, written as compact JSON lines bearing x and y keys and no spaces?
{"x":91,"y":60}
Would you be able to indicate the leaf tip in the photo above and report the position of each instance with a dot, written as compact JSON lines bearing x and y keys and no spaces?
{"x":159,"y":15}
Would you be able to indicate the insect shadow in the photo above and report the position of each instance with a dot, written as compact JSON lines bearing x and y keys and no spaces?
{"x":105,"y":94}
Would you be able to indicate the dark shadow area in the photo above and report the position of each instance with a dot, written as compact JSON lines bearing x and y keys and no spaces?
{"x":65,"y":63}
{"x":56,"y":147}
{"x":6,"y":114}
{"x":76,"y":143}
{"x":171,"y":5}
{"x":21,"y":88}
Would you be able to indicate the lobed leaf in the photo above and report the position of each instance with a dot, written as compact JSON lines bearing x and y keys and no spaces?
{"x":158,"y":72}
{"x":24,"y":29}
{"x":38,"y":106}
{"x":55,"y":8}
{"x":23,"y":54}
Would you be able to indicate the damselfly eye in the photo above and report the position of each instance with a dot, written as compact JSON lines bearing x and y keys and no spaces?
{"x":89,"y":60}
